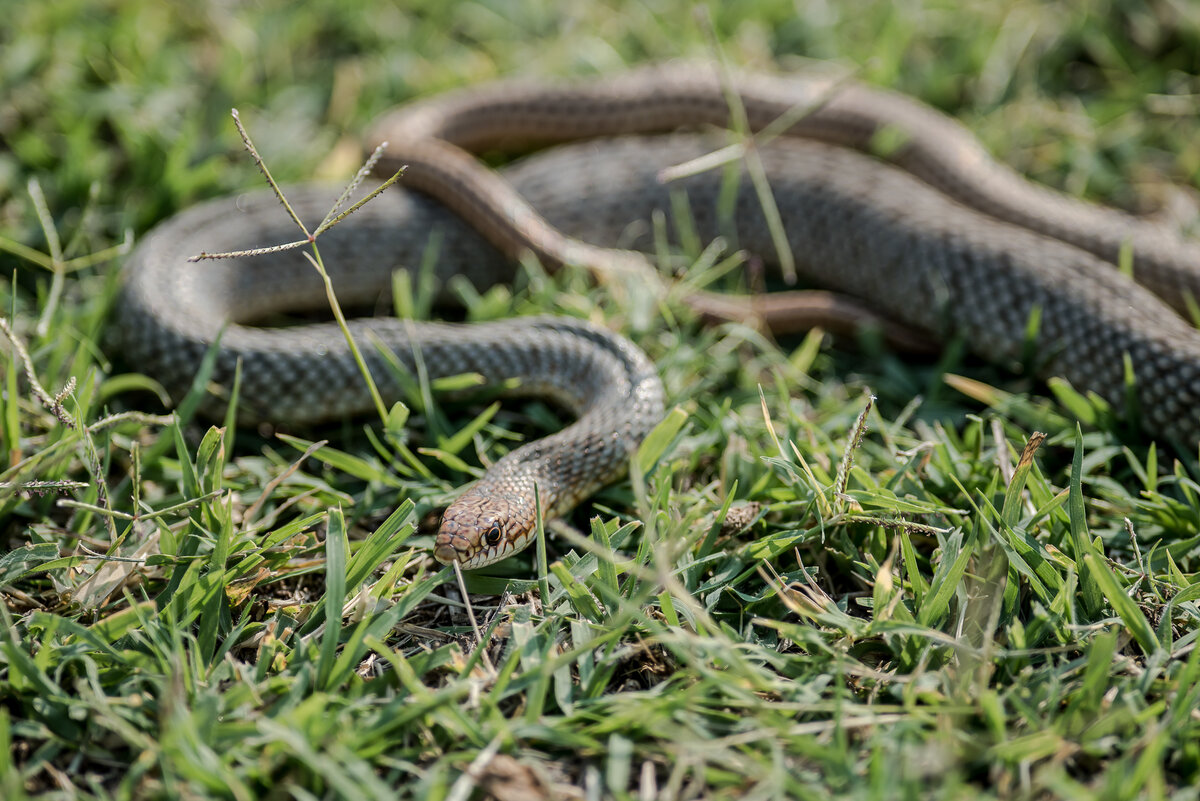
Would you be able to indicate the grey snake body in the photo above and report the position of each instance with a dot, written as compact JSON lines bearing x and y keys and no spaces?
{"x":942,"y":239}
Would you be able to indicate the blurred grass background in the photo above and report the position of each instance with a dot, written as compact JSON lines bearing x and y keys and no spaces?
{"x":1091,"y":96}
{"x":157,"y":693}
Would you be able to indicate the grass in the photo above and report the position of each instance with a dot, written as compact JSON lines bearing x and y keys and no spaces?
{"x":928,"y":610}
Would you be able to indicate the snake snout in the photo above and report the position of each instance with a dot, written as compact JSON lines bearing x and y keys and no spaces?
{"x":446,"y":553}
{"x":451,"y":546}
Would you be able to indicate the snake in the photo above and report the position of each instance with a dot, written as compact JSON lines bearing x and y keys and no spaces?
{"x":889,"y":204}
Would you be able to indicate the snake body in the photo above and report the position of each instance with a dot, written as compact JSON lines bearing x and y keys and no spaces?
{"x":942,"y":239}
{"x":174,"y":311}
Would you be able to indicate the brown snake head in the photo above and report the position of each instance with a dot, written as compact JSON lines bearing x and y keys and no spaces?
{"x":483,"y":527}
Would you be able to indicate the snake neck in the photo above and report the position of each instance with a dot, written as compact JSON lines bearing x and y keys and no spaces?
{"x":497,"y":516}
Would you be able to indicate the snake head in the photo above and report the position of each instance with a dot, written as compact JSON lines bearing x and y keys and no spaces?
{"x":483,"y":527}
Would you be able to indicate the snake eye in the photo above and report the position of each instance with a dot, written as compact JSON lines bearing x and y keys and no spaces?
{"x":493,"y":534}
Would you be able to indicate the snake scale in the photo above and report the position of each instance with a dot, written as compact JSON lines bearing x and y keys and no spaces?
{"x":938,"y":237}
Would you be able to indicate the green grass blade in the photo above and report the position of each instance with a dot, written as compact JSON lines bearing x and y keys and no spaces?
{"x":1079,"y":532}
{"x":1122,"y":604}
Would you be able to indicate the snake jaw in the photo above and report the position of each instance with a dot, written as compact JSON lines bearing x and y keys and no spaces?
{"x":483,"y":527}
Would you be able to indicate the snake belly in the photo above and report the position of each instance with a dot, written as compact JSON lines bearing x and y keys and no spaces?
{"x":943,"y":239}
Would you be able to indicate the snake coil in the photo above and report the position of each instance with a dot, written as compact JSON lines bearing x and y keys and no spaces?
{"x":941,"y":239}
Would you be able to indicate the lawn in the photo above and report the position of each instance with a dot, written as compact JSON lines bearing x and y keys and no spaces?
{"x":926,"y":607}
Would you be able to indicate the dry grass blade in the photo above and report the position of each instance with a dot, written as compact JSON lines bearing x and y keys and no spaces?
{"x":843,"y":474}
{"x":266,"y":173}
{"x":479,"y":643}
{"x":330,"y":222}
{"x":239,"y":254}
{"x":366,"y":169}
